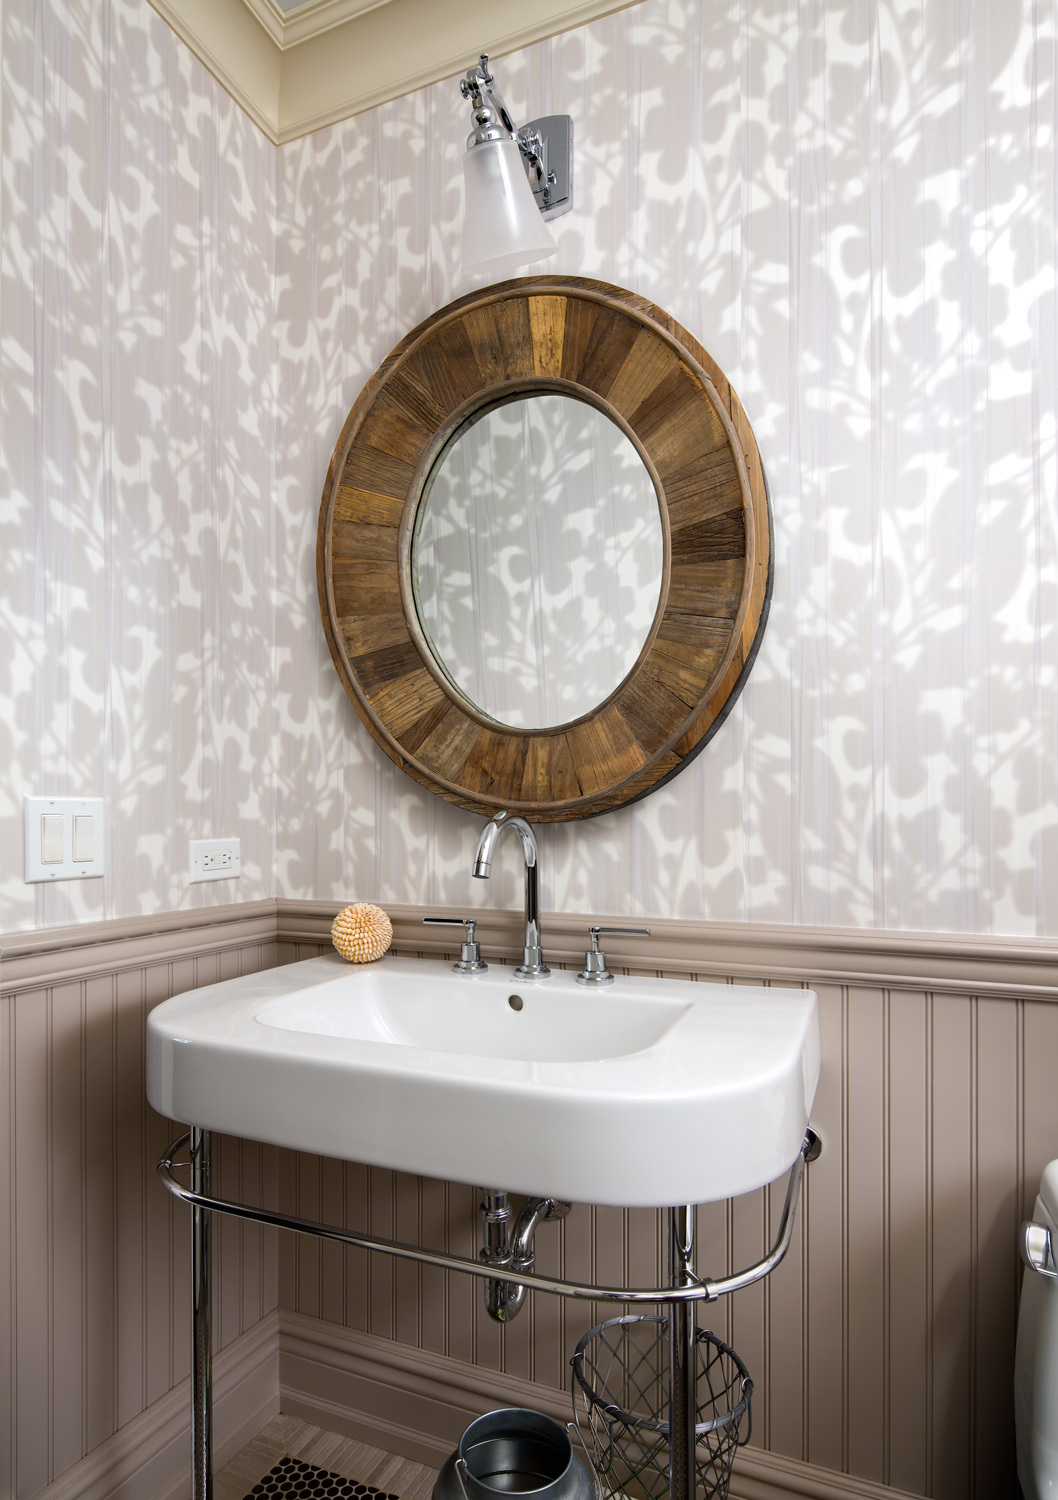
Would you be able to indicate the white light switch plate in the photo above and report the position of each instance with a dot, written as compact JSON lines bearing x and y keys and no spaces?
{"x":60,"y":838}
{"x":213,"y":859}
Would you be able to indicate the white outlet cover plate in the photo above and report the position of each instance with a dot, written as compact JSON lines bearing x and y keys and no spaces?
{"x":213,"y":859}
{"x":67,"y":808}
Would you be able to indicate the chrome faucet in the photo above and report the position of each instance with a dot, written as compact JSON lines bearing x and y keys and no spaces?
{"x":532,"y":965}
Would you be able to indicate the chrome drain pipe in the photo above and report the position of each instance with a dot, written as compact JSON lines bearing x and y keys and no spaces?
{"x":496,"y":1215}
{"x":512,"y":1250}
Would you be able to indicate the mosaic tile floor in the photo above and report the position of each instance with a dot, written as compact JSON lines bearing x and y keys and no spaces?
{"x":374,"y":1471}
{"x":291,"y":1478}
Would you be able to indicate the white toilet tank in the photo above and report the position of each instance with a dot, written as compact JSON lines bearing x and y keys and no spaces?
{"x":1036,"y":1363}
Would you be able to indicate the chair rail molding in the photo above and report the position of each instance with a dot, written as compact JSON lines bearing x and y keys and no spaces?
{"x":296,"y":71}
{"x":940,"y":962}
{"x":51,"y":955}
{"x":962,"y":963}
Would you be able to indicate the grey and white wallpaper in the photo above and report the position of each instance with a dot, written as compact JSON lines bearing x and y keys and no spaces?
{"x":137,"y":540}
{"x":851,"y":203}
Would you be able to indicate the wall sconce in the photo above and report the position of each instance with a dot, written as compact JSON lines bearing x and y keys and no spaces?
{"x":514,"y":179}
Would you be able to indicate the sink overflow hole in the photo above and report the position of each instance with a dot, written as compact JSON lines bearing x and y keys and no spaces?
{"x":515,"y":1002}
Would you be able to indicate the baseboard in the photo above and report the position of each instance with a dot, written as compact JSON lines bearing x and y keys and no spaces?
{"x":407,"y":1400}
{"x":416,"y":1404}
{"x":149,"y":1458}
{"x":771,"y":1476}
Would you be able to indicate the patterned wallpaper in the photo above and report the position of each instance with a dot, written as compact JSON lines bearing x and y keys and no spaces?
{"x":850,"y":202}
{"x":136,"y":472}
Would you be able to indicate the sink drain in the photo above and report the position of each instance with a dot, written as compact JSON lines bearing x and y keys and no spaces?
{"x":515,"y":1002}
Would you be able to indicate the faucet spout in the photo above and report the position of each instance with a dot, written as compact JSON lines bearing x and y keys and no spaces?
{"x":532,"y":965}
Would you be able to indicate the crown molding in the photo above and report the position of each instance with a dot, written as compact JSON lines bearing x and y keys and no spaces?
{"x":288,"y":27}
{"x":294,"y":72}
{"x":232,"y":44}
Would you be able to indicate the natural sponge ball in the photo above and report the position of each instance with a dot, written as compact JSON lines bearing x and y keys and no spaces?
{"x":361,"y":932}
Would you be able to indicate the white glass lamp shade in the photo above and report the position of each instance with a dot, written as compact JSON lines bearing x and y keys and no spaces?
{"x":502,"y":227}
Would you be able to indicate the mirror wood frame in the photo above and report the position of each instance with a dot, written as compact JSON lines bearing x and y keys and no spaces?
{"x":628,"y":358}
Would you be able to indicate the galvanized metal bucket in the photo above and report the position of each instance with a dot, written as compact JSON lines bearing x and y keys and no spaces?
{"x":515,"y":1451}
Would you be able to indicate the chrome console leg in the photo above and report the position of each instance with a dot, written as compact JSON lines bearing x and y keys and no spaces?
{"x":201,"y":1338}
{"x":683,"y":1403}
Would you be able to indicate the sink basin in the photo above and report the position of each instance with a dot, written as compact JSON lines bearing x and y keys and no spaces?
{"x":478,"y":1018}
{"x":648,"y":1092}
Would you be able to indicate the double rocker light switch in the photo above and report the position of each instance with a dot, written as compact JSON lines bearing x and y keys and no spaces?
{"x":64,"y":838}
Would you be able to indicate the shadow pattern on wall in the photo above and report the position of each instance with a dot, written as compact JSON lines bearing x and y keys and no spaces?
{"x":851,"y":204}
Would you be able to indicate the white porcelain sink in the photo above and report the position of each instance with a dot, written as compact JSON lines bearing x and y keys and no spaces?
{"x":476,"y":1017}
{"x":647,"y":1092}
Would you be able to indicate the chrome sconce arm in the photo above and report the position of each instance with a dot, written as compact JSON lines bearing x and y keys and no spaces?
{"x":545,"y":144}
{"x":513,"y":179}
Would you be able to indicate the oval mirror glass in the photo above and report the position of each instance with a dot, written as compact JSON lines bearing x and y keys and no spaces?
{"x":537,"y":559}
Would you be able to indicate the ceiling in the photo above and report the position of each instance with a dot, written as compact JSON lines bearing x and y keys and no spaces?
{"x":297,"y":65}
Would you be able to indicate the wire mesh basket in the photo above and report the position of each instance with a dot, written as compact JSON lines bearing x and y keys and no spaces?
{"x":621,"y":1370}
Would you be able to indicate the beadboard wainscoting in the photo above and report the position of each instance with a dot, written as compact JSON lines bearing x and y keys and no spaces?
{"x":882,"y":1347}
{"x":94,"y":1254}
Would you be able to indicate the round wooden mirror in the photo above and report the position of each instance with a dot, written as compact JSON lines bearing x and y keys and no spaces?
{"x":424,"y":633}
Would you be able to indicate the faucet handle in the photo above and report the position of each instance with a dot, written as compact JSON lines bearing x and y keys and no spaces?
{"x":595,"y":970}
{"x":470,"y":961}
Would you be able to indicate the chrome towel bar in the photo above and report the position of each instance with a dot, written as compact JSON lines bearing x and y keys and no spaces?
{"x":701,"y":1289}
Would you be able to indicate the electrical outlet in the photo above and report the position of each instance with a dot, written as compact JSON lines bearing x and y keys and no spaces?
{"x":213,"y":859}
